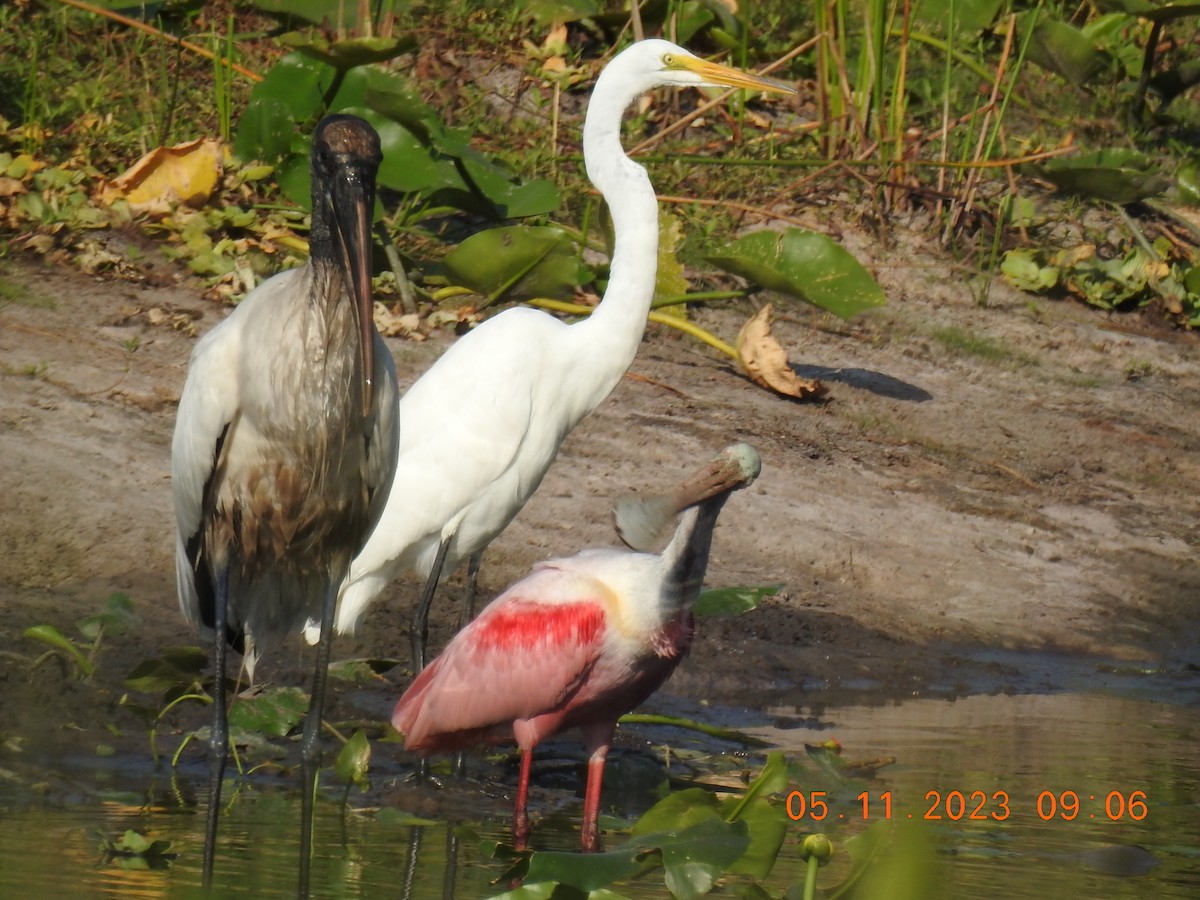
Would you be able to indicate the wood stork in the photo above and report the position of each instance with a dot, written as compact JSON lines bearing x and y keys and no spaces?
{"x":482,"y":425}
{"x":284,"y":448}
{"x":577,"y":643}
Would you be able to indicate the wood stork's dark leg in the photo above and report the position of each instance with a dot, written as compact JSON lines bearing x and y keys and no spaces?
{"x":310,"y":749}
{"x":420,"y":621}
{"x":218,"y":736}
{"x":415,"y":833}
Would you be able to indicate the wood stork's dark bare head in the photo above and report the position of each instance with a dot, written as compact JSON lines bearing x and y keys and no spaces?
{"x":345,"y":159}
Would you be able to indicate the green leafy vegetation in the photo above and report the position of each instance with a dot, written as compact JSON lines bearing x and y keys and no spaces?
{"x":935,"y":106}
{"x":115,"y":618}
{"x":133,"y":850}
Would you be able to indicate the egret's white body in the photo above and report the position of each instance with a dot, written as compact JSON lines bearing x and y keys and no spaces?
{"x":480,"y":428}
{"x":578,"y":642}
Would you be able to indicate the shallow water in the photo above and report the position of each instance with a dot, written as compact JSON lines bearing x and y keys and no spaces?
{"x":1099,"y":747}
{"x":1083,"y":756}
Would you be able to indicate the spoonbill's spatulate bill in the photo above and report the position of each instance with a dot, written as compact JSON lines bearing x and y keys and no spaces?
{"x":577,"y":643}
{"x":481,"y":427}
{"x":285,"y":447}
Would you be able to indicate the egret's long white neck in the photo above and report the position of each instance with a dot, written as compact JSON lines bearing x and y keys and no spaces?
{"x":610,"y":336}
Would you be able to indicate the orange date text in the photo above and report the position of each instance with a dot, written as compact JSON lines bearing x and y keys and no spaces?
{"x":973,"y":806}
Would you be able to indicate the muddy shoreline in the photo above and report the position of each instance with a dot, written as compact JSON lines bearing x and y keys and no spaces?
{"x":948,"y":522}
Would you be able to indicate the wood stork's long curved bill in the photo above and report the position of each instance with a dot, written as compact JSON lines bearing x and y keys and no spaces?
{"x":351,"y":195}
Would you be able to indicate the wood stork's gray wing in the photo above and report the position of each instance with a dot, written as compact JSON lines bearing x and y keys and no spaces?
{"x":208,"y":407}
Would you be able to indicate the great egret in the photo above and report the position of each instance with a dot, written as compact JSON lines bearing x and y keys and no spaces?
{"x":285,"y":446}
{"x":577,"y":643}
{"x":480,"y":428}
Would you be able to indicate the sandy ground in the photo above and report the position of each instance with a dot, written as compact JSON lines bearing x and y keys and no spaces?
{"x":944,"y":523}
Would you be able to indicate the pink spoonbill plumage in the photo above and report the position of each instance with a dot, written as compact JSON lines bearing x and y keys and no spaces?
{"x":480,"y":428}
{"x":284,"y":448}
{"x":577,"y":643}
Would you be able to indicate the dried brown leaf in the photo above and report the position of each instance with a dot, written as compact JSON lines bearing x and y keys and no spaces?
{"x":766,"y":362}
{"x":392,"y":325}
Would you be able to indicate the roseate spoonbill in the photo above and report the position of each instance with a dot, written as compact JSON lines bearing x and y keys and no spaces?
{"x":480,"y":428}
{"x":284,"y":448}
{"x":577,"y":643}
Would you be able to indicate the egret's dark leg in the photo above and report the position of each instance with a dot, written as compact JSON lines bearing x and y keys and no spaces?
{"x":218,"y":736}
{"x":473,"y":565}
{"x":451,"y":870}
{"x":420,"y":621}
{"x":460,"y":758}
{"x":310,"y":744}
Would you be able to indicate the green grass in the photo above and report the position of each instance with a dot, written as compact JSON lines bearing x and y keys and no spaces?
{"x":12,"y":292}
{"x":961,"y":342}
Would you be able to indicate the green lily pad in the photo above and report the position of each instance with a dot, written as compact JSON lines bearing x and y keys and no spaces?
{"x":290,"y":93}
{"x":678,"y":810}
{"x":409,"y":165}
{"x":586,"y":872}
{"x":273,"y":712}
{"x":696,"y":857}
{"x":804,"y":264}
{"x":351,"y":52}
{"x":1154,"y":13}
{"x":354,"y":759}
{"x":1191,"y":280}
{"x":1116,"y":175}
{"x":732,"y":601}
{"x":765,"y":818}
{"x":316,"y":12}
{"x":517,"y":261}
{"x":361,"y":671}
{"x":1187,"y":182}
{"x":970,"y":16}
{"x":512,"y":198}
{"x":1063,"y":49}
{"x":396,"y":97}
{"x":178,"y":668}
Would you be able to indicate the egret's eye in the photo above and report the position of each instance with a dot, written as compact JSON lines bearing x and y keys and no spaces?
{"x":668,"y":60}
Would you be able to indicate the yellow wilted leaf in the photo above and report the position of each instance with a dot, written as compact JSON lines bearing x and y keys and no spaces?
{"x":166,"y":176}
{"x":669,"y":280}
{"x":1069,"y":257}
{"x":766,"y":362}
{"x":556,"y":40}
